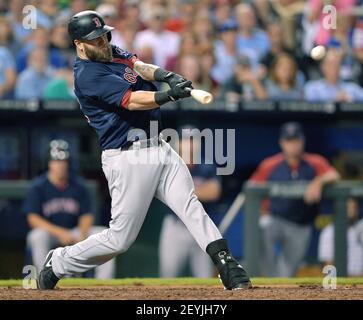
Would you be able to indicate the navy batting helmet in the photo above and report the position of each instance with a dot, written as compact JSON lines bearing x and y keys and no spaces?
{"x":88,"y":25}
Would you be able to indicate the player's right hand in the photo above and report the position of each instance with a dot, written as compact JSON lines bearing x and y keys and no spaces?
{"x":66,"y":237}
{"x":180,"y":91}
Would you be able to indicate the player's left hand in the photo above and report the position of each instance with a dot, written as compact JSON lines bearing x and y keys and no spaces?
{"x":180,"y":90}
{"x":174,"y":79}
{"x":313,"y":192}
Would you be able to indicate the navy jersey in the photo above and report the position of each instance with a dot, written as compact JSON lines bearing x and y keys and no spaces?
{"x":201,"y":173}
{"x":276,"y":169}
{"x":60,"y":207}
{"x":103,"y":91}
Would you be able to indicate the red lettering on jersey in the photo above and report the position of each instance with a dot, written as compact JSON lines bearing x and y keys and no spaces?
{"x":130,"y":75}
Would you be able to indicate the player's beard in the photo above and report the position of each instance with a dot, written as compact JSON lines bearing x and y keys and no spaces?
{"x":99,"y":54}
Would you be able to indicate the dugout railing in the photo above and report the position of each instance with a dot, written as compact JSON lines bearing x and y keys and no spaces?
{"x":338,"y":193}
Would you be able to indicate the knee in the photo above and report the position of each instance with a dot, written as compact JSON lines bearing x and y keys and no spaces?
{"x":123,"y":246}
{"x":96,"y":229}
{"x":117,"y":242}
{"x":37,"y":236}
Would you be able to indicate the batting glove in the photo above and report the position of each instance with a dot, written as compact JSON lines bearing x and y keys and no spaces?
{"x":180,"y":90}
{"x":171,"y":78}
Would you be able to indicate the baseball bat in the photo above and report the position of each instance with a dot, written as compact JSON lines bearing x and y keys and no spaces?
{"x":201,"y":96}
{"x":232,"y":213}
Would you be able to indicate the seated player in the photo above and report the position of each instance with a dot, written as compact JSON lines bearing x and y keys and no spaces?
{"x":58,"y":210}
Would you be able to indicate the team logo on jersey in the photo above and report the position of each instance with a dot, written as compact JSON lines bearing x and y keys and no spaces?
{"x":97,"y":22}
{"x":130,"y":75}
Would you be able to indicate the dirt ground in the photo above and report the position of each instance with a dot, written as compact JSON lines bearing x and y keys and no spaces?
{"x":141,"y":292}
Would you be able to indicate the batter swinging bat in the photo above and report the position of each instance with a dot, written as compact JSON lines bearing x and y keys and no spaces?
{"x":201,"y":96}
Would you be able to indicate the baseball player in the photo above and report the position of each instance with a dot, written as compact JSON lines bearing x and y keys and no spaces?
{"x":177,"y":247}
{"x":116,"y":95}
{"x":58,"y":210}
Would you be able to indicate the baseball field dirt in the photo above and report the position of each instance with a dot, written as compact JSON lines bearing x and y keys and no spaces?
{"x":185,"y":289}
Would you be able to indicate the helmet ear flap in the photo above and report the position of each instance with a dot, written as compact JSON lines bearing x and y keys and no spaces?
{"x":109,"y":36}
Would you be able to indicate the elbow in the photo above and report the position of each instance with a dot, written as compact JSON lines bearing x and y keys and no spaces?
{"x":337,"y":176}
{"x":215,"y":192}
{"x":32,"y":220}
{"x":131,"y":106}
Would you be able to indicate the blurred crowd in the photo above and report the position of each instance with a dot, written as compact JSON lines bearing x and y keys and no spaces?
{"x":251,"y":49}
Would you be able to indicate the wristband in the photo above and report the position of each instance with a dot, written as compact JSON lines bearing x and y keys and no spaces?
{"x":160,"y":74}
{"x":162,"y":97}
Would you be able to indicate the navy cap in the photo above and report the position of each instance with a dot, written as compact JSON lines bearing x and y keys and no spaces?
{"x":291,"y":130}
{"x":229,"y":25}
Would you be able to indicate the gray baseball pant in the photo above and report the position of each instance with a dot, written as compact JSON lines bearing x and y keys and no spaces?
{"x":134,"y":178}
{"x":40,"y":242}
{"x":177,"y":248}
{"x":294,"y":240}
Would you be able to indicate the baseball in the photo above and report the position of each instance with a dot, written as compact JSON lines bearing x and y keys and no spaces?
{"x":318,"y":52}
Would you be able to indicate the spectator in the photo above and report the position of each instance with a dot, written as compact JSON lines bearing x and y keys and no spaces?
{"x":225,"y":52}
{"x":340,"y":39}
{"x":47,"y":11}
{"x":16,"y":17}
{"x":251,"y":41}
{"x":109,"y":13}
{"x":276,"y":38}
{"x":128,"y":25}
{"x":315,"y":32}
{"x":131,"y":17}
{"x":282,"y":83}
{"x":58,"y":210}
{"x":289,"y":12}
{"x":354,"y":242}
{"x":203,"y":29}
{"x":33,"y":80}
{"x":288,"y":222}
{"x":331,"y":88}
{"x":156,"y":37}
{"x":207,"y":61}
{"x":222,"y":13}
{"x":7,"y":73}
{"x":75,"y":6}
{"x":188,"y":45}
{"x":190,"y":68}
{"x":177,"y":247}
{"x":40,"y":38}
{"x":184,"y":17}
{"x":264,"y":12}
{"x":147,"y":7}
{"x":6,"y":36}
{"x":60,"y":42}
{"x":244,"y":84}
{"x":357,"y":46}
{"x":61,"y":87}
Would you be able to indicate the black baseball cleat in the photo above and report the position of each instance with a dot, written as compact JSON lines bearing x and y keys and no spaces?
{"x":231,"y":273}
{"x":47,"y":279}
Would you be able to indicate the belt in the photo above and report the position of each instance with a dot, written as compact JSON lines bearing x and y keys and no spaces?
{"x":141,"y":144}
